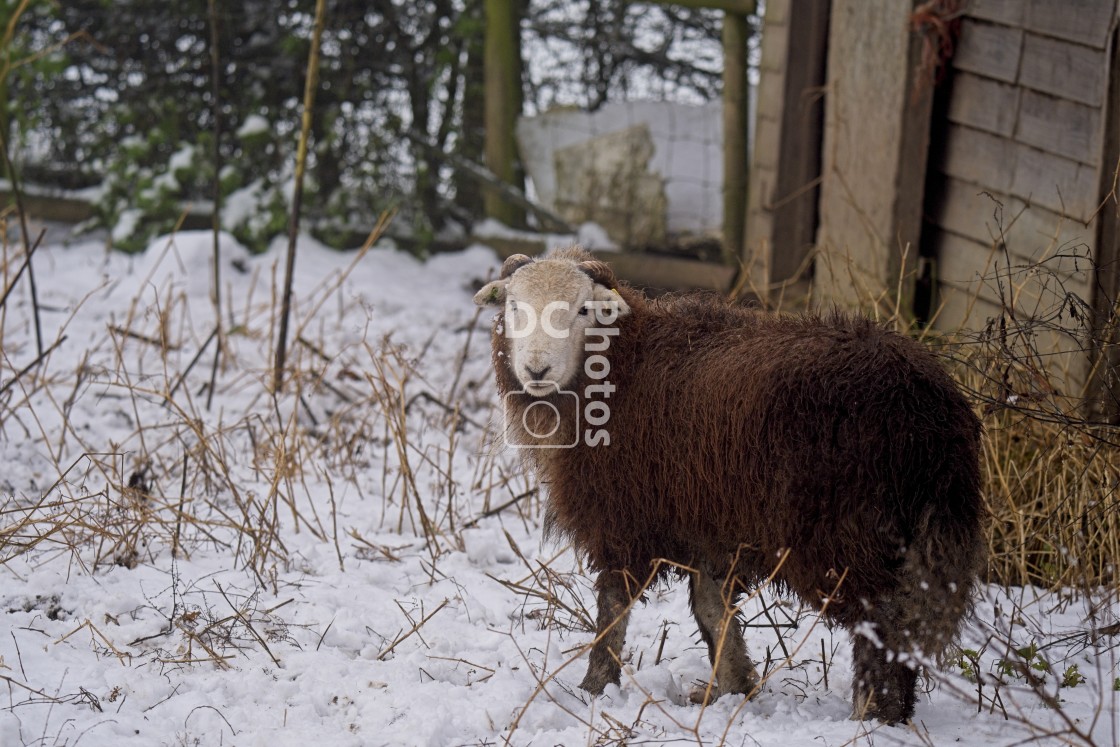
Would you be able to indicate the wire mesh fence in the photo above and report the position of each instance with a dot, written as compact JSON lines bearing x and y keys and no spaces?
{"x":648,"y":173}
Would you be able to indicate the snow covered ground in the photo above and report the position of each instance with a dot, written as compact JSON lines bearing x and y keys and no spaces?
{"x":338,"y":565}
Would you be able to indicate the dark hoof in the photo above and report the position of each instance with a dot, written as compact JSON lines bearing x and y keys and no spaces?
{"x":703,"y":694}
{"x":885,"y":720}
{"x":890,"y":714}
{"x":595,"y":685}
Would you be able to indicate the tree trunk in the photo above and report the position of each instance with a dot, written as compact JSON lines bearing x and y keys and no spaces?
{"x":503,"y":104}
{"x":736,"y":102}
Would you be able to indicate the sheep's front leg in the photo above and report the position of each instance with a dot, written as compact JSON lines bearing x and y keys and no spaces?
{"x":723,"y":632}
{"x":610,"y":632}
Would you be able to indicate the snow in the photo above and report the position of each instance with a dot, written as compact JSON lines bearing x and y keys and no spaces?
{"x":592,"y":236}
{"x":489,"y":228}
{"x":254,"y":124}
{"x":589,"y":235}
{"x":181,"y":159}
{"x":126,"y":224}
{"x":306,"y":603}
{"x":246,"y":204}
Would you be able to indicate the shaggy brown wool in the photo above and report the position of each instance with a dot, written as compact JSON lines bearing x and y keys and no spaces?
{"x":737,"y":437}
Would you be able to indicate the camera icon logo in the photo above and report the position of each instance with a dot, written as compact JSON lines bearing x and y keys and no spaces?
{"x":538,"y":422}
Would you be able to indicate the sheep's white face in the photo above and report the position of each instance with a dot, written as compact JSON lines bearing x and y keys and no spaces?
{"x":548,"y":306}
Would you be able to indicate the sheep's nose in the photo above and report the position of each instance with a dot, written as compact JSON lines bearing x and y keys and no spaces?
{"x":539,"y":374}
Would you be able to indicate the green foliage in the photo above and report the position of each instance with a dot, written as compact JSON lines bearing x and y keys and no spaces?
{"x":254,"y":207}
{"x":142,"y":187}
{"x":267,"y":218}
{"x":1071,"y":677}
{"x":969,"y":663}
{"x":115,"y":112}
{"x":1026,"y":661}
{"x":25,"y":61}
{"x":109,"y":91}
{"x":147,"y":187}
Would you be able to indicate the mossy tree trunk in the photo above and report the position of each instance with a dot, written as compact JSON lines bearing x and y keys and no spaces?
{"x":502,"y":64}
{"x":736,"y":115}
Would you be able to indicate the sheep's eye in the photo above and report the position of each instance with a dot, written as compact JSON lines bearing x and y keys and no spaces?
{"x":583,"y":311}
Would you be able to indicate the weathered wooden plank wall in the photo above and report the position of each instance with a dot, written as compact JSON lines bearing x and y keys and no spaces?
{"x":1009,"y":192}
{"x":1018,"y":182}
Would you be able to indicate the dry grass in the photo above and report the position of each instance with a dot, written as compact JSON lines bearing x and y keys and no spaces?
{"x":1056,"y":513}
{"x":178,"y":482}
{"x":1052,"y":451}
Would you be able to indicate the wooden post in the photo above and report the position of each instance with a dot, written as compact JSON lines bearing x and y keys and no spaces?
{"x":311,"y":85}
{"x":736,"y":115}
{"x":502,"y":66}
{"x":1103,"y":401}
{"x":740,"y":7}
{"x":795,"y":192}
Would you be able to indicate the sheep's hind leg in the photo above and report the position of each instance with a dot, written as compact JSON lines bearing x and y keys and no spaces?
{"x":884,"y":688}
{"x":610,"y":633}
{"x":722,"y":631}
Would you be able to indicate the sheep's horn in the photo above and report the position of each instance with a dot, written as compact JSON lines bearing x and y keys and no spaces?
{"x":513,"y":263}
{"x":600,"y":272}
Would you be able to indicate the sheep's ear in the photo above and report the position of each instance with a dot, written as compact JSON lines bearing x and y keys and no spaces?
{"x":513,"y":263}
{"x":604,"y":289}
{"x":492,"y":294}
{"x":598,"y":271}
{"x":610,"y":295}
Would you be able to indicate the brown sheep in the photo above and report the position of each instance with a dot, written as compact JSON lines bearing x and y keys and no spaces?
{"x":690,"y":434}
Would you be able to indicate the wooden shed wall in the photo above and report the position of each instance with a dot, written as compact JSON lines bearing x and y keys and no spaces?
{"x":874,"y":155}
{"x":1016,"y":172}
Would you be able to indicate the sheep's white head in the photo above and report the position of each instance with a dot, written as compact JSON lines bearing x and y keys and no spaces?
{"x":549,"y":304}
